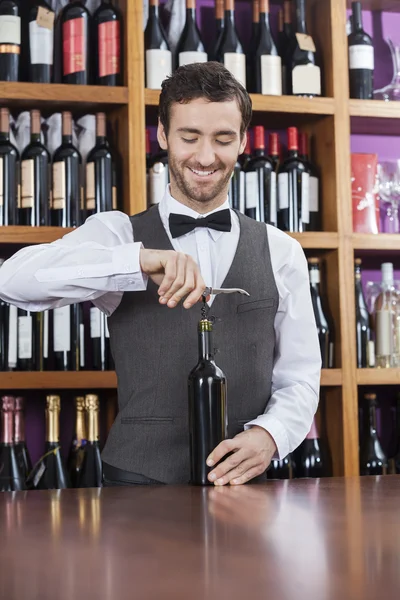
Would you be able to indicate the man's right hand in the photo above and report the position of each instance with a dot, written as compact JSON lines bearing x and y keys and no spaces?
{"x":176,"y":274}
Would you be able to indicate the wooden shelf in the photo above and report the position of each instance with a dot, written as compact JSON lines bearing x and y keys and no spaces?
{"x":381,"y":241}
{"x":57,"y":380}
{"x":314,"y":240}
{"x":378,"y":376}
{"x":378,"y":109}
{"x":331,"y":377}
{"x":31,"y":235}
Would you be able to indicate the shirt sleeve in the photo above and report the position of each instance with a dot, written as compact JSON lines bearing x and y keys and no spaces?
{"x":297,"y":367}
{"x":97,"y":261}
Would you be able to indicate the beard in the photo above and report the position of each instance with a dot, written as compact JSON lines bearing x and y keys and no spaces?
{"x":199,"y":193}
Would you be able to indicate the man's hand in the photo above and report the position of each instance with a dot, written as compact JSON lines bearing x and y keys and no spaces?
{"x":252,"y":452}
{"x":176,"y":273}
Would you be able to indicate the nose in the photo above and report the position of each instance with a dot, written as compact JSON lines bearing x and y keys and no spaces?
{"x":205,"y":154}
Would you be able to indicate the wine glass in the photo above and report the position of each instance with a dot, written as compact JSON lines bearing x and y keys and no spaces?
{"x":388,"y":188}
{"x":391,"y":92}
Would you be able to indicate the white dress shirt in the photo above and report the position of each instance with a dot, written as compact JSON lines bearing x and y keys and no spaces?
{"x":99,"y":261}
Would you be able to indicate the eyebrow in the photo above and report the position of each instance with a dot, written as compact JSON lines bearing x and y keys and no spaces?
{"x":198,"y":132}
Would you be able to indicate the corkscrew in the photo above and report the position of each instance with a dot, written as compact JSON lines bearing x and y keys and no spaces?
{"x":209,"y":291}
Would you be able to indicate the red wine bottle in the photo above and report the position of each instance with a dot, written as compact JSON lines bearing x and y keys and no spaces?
{"x":207,"y":406}
{"x":311,"y":459}
{"x":75,"y":26}
{"x":10,"y":40}
{"x":69,"y":338}
{"x":274,"y":150}
{"x":190,"y":48}
{"x":315,"y":215}
{"x":76,"y":453}
{"x":268,"y":67}
{"x":361,"y":57}
{"x":158,"y":53}
{"x":12,"y":338}
{"x":11,"y":476}
{"x":304,"y":75}
{"x":285,"y":37}
{"x":373,"y":460}
{"x":230,"y":49}
{"x":21,"y":450}
{"x":322,"y":320}
{"x":100,"y":341}
{"x":36,"y":177}
{"x":251,"y":55}
{"x":91,"y":472}
{"x":363,"y":331}
{"x":26,"y":340}
{"x":219,"y":26}
{"x":261,"y":182}
{"x":246,"y":156}
{"x":100,"y":170}
{"x":107,"y":26}
{"x":9,"y":173}
{"x":41,"y":42}
{"x":66,"y":210}
{"x":281,"y":469}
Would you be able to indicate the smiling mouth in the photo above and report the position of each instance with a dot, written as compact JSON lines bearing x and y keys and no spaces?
{"x":204,"y":174}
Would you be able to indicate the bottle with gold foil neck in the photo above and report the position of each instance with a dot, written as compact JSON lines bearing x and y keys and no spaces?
{"x":11,"y":476}
{"x":76,"y":453}
{"x":92,"y":471}
{"x":21,"y":450}
{"x":51,"y":473}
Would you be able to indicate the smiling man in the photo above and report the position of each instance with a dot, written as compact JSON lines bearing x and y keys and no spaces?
{"x":136,"y":269}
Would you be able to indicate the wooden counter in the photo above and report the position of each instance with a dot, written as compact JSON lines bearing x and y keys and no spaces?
{"x":301,"y":540}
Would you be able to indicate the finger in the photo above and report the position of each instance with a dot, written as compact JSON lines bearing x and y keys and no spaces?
{"x":187,"y":287}
{"x":170,"y":269}
{"x":249,"y":474}
{"x":243,"y":467}
{"x":196,"y":295}
{"x":228,"y":464}
{"x":219,"y":452}
{"x":181,"y":261}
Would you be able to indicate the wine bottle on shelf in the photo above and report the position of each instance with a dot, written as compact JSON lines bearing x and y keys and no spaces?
{"x":100,"y":340}
{"x":75,"y":457}
{"x":361,"y":57}
{"x":373,"y":460}
{"x":251,"y":55}
{"x":304,"y":75}
{"x":268,"y":67}
{"x":311,"y":461}
{"x":282,"y":469}
{"x":322,"y":319}
{"x":158,"y":53}
{"x":41,"y":42}
{"x":68,"y":338}
{"x":11,"y":476}
{"x":315,"y":215}
{"x":66,"y":210}
{"x":77,"y":338}
{"x":101,"y":194}
{"x":158,"y":177}
{"x":285,"y":37}
{"x":385,"y":312}
{"x":3,"y":331}
{"x":107,"y":27}
{"x":75,"y":27}
{"x":273,"y":150}
{"x":12,"y":338}
{"x":230,"y":49}
{"x":261,"y":182}
{"x":293,"y":188}
{"x":41,"y":340}
{"x":91,"y":472}
{"x":51,"y":473}
{"x":246,"y":156}
{"x":219,"y":23}
{"x":21,"y":450}
{"x":26,"y":340}
{"x":36,"y":177}
{"x":365,"y":347}
{"x":190,"y":48}
{"x":235,"y":186}
{"x":9,"y":172}
{"x":10,"y":40}
{"x":207,"y":406}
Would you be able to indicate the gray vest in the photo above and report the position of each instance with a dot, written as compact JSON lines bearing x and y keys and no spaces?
{"x":155,"y":348}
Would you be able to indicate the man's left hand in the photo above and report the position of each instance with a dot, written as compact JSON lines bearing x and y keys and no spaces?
{"x":252,"y":452}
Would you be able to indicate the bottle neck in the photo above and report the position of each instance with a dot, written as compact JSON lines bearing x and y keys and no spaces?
{"x":80,"y":426}
{"x":35,"y":138}
{"x":66,"y":139}
{"x":153,"y":11}
{"x":53,"y":426}
{"x":301,"y":16}
{"x":315,"y":279}
{"x":93,"y":426}
{"x":190,"y":15}
{"x":259,"y":152}
{"x":313,"y":433}
{"x":7,"y":427}
{"x":370,"y":419}
{"x":4,"y":136}
{"x":205,"y":345}
{"x":264,"y":20}
{"x":19,"y":426}
{"x":357,"y":23}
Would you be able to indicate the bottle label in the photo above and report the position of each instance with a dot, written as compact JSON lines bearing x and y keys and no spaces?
{"x":82,"y":345}
{"x":59,"y":185}
{"x":25,"y":337}
{"x":306,"y":80}
{"x":45,"y":18}
{"x":46,"y":334}
{"x":90,"y":187}
{"x":273,"y":203}
{"x":361,"y":57}
{"x":158,"y":181}
{"x":1,"y":181}
{"x":314,"y":276}
{"x":314,"y":194}
{"x":305,"y":198}
{"x":283,"y":191}
{"x":188,"y":58}
{"x":28,"y":183}
{"x":271,"y":75}
{"x":158,"y":67}
{"x":252,"y":197}
{"x":371,"y":353}
{"x":109,"y":48}
{"x":41,"y":42}
{"x":74,"y":46}
{"x":95,"y":323}
{"x":305,"y":42}
{"x":62,"y":329}
{"x":10,"y":30}
{"x":384,"y":333}
{"x":236,"y":64}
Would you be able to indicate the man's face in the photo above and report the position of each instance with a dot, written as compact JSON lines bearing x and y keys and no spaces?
{"x":203,"y":145}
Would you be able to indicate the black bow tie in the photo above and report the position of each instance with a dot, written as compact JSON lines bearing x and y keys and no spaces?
{"x":181,"y":224}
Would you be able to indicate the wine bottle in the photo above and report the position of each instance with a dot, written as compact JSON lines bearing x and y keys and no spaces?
{"x":100,"y":340}
{"x":75,"y":457}
{"x":321,"y":319}
{"x":107,"y":25}
{"x":304,"y":75}
{"x":10,"y":40}
{"x":75,"y":26}
{"x":91,"y":472}
{"x":363,"y":331}
{"x":66,"y":210}
{"x":311,"y":461}
{"x":36,"y":170}
{"x":234,"y":186}
{"x":41,"y":42}
{"x":207,"y":406}
{"x":273,"y":150}
{"x":11,"y":476}
{"x":9,"y":173}
{"x":12,"y":338}
{"x":386,"y":310}
{"x":21,"y":450}
{"x":361,"y":57}
{"x":190,"y":48}
{"x":26,"y":340}
{"x":268,"y":66}
{"x":100,"y":168}
{"x":158,"y":54}
{"x":315,"y":215}
{"x":251,"y":55}
{"x":51,"y":473}
{"x":281,"y":469}
{"x":293,"y":188}
{"x":219,"y":22}
{"x":261,"y":182}
{"x":285,"y":37}
{"x":246,"y":156}
{"x":373,"y":460}
{"x":69,"y":338}
{"x":158,"y":177}
{"x":3,"y":331}
{"x":230,"y":50}
{"x":41,"y":340}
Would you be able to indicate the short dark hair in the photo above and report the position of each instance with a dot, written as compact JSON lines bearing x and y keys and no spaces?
{"x":210,"y":80}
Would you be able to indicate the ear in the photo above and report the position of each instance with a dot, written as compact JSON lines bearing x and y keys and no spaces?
{"x":243,"y":143}
{"x":161,"y":137}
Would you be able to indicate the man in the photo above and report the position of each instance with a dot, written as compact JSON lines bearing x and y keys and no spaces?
{"x":267,"y":344}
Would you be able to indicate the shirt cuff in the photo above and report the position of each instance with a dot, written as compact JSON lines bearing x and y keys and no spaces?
{"x":276,"y":430}
{"x":128,"y":274}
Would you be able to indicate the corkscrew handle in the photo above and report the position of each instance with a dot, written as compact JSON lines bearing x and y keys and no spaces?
{"x":209,"y":291}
